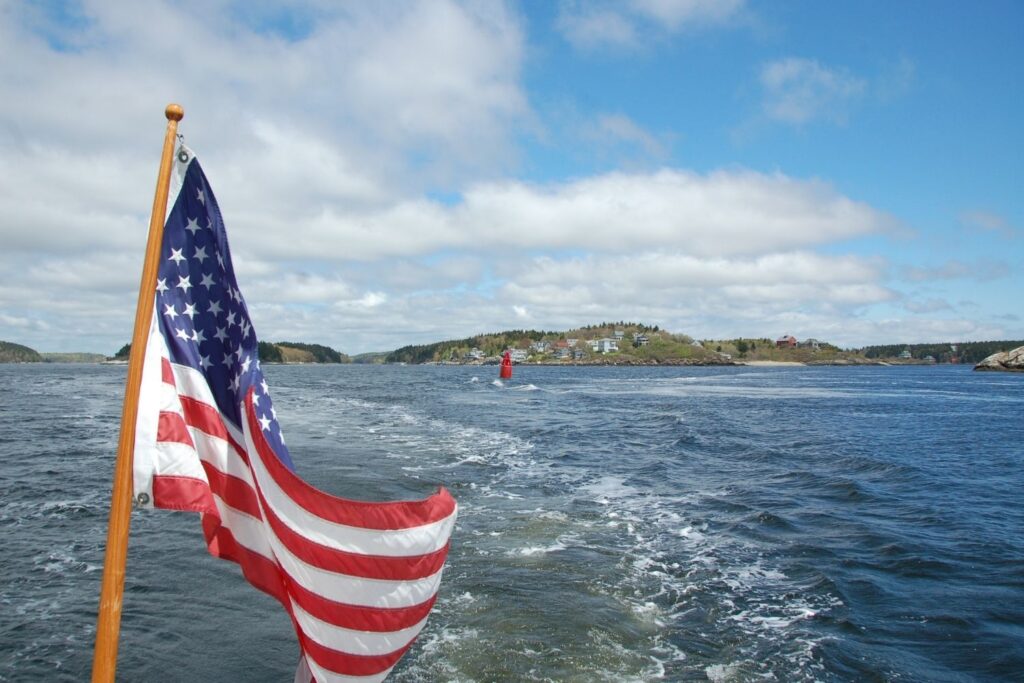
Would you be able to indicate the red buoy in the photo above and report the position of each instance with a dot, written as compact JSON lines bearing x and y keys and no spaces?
{"x":506,"y":366}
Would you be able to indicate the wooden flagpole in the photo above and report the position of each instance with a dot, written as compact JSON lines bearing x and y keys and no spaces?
{"x":108,"y":622}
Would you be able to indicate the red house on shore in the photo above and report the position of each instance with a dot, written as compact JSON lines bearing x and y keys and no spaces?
{"x":786,"y":342}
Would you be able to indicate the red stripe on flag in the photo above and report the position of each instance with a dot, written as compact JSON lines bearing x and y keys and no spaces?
{"x":171,"y":429}
{"x":355,"y":564}
{"x":236,"y":492}
{"x":204,"y":417}
{"x":208,"y":419}
{"x":365,"y":514}
{"x":345,"y":663}
{"x":258,"y":570}
{"x":182,"y":493}
{"x":268,"y":577}
{"x":357,"y":617}
{"x":166,"y":372}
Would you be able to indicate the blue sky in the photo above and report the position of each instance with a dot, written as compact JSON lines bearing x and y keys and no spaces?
{"x":405,"y":172}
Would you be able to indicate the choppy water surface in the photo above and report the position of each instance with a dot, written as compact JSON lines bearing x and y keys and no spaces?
{"x":616,"y":524}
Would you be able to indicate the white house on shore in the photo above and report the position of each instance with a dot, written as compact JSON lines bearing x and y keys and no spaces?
{"x":605,"y":345}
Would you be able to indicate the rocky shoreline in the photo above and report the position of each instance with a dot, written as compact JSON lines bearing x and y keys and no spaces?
{"x":1004,"y":361}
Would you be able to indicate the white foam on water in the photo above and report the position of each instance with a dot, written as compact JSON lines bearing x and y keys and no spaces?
{"x":720,"y":673}
{"x":411,"y":434}
{"x":19,"y":512}
{"x":62,"y":560}
{"x":560,"y":544}
{"x":448,"y":636}
{"x":674,"y":569}
{"x":609,"y":488}
{"x":671,"y":565}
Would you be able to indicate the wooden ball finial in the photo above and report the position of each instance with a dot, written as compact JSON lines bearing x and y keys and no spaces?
{"x":174,"y":112}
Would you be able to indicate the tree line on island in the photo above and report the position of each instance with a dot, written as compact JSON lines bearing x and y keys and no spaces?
{"x":280,"y":352}
{"x":619,"y":342}
{"x":605,"y":343}
{"x":636,"y":343}
{"x":968,"y":352}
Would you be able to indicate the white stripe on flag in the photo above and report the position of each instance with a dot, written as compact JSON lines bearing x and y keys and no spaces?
{"x":354,"y":642}
{"x":412,"y":541}
{"x":322,"y":675}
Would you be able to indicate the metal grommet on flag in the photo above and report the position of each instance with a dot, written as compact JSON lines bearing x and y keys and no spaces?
{"x":141,"y":499}
{"x":182,"y":155}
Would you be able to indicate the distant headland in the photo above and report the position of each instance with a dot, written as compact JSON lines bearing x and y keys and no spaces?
{"x":627,"y":343}
{"x":615,"y":343}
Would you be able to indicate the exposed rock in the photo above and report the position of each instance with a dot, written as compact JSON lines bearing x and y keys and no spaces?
{"x":1007,"y":361}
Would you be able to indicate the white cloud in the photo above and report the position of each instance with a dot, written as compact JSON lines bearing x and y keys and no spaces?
{"x":721,"y":213}
{"x":296,"y":287}
{"x":666,"y":285}
{"x":325,"y":139}
{"x":799,"y":90}
{"x":675,"y":13}
{"x":361,"y":109}
{"x":725,"y":212}
{"x":383,"y":82}
{"x":372,"y":299}
{"x":628,"y":25}
{"x":56,"y":200}
{"x":610,"y":131}
{"x":981,"y":271}
{"x":658,"y":272}
{"x":896,"y":79}
{"x":979,"y":220}
{"x":916,"y":329}
{"x":436,"y":77}
{"x":22,"y":323}
{"x":932,"y":305}
{"x":590,"y":29}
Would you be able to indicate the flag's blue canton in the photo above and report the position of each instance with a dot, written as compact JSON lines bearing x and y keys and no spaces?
{"x":202,"y":314}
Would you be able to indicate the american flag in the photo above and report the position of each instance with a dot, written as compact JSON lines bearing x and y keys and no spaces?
{"x":358,"y":579}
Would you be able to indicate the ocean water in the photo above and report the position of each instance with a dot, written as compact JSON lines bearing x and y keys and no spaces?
{"x":616,"y":524}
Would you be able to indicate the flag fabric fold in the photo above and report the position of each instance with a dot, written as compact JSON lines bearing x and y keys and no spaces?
{"x":358,"y":579}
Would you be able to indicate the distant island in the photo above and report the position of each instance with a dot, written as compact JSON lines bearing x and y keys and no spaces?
{"x":16,"y":353}
{"x":279,"y":352}
{"x":607,"y":343}
{"x":626,"y":343}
